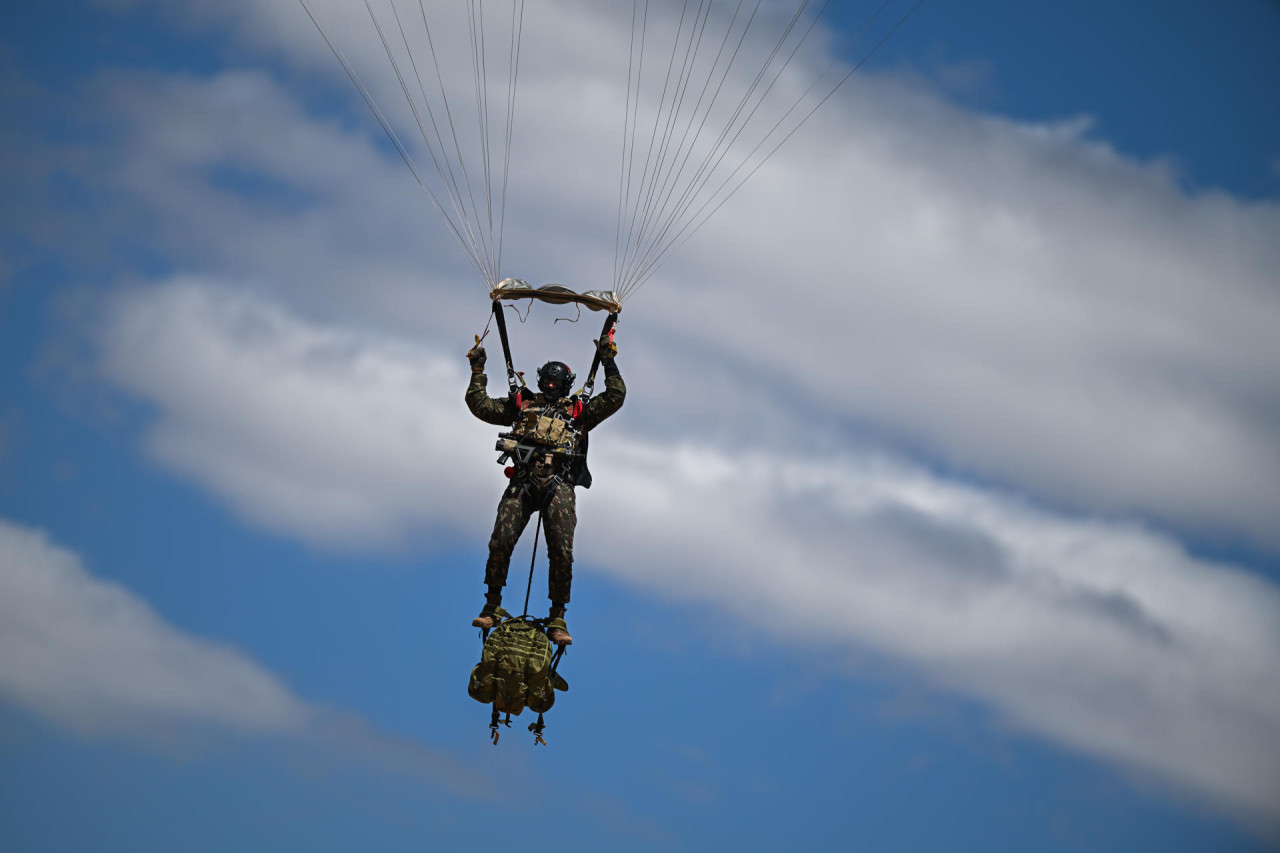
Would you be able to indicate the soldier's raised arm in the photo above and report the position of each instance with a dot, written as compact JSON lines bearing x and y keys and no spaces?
{"x":499,"y":411}
{"x":615,"y":390}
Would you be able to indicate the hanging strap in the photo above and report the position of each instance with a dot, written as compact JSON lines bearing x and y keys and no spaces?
{"x":493,"y":726}
{"x":506,"y":347}
{"x":547,"y":498}
{"x":585,"y":393}
{"x":532,"y":560}
{"x":537,"y":728}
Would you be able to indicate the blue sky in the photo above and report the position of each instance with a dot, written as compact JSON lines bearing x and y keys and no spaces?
{"x":941,"y":513}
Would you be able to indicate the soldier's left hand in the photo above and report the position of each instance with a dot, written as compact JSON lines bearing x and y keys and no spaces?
{"x":606,"y":347}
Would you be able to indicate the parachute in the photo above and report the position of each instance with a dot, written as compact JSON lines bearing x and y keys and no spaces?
{"x":710,"y":94}
{"x":557,"y":294}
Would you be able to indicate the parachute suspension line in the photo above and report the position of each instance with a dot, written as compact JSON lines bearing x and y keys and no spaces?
{"x":633,"y":246}
{"x":723,"y":145}
{"x":634,"y":211}
{"x":690,"y":228}
{"x":450,"y":187}
{"x":477,"y":229}
{"x":393,"y":138}
{"x":490,"y":279}
{"x":657,"y":116}
{"x":617,"y":272}
{"x":395,"y":67}
{"x":478,"y":95}
{"x":725,"y":140}
{"x":628,"y":131}
{"x":664,"y":189}
{"x":659,"y":192}
{"x":475,"y":20}
{"x":688,"y":150}
{"x":677,"y":101}
{"x":447,"y":174}
{"x":513,"y":66}
{"x":686,"y":145}
{"x":686,"y":180}
{"x":664,"y":171}
{"x":626,"y":126}
{"x":475,"y":241}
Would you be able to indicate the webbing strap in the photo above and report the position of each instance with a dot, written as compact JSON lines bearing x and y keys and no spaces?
{"x":532,"y":560}
{"x":506,"y":347}
{"x":585,"y":393}
{"x":493,"y":727}
{"x":537,"y":729}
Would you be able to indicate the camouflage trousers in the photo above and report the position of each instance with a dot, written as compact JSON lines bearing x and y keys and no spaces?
{"x":519,"y":502}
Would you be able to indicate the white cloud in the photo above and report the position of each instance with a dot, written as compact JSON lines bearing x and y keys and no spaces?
{"x":306,"y":429}
{"x":1103,"y":636}
{"x":91,"y":655}
{"x":1019,"y":301}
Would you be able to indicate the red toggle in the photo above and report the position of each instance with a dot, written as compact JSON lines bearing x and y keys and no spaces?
{"x":509,"y":471}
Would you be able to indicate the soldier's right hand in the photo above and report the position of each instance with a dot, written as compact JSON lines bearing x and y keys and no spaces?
{"x":476,"y":355}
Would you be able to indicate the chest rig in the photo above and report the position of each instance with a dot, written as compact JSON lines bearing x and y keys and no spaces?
{"x":544,"y":437}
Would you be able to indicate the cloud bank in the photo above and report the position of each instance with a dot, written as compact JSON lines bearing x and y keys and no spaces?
{"x":91,"y":655}
{"x":1017,"y":301}
{"x":1104,"y":636}
{"x":1014,"y":300}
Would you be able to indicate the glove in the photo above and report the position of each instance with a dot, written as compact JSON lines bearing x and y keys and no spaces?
{"x":606,"y":347}
{"x":476,"y":355}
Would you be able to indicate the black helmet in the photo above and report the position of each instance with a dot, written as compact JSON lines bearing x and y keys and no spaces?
{"x":554,"y":379}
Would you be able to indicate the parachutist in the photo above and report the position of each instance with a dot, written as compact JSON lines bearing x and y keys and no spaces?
{"x":548,"y":449}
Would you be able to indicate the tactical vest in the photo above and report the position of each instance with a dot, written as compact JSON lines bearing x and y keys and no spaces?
{"x":545,"y":441}
{"x":547,"y":424}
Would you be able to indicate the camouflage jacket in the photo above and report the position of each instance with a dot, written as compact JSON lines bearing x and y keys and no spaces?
{"x":503,"y":411}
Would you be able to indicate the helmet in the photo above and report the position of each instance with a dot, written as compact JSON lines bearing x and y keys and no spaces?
{"x":555,"y":379}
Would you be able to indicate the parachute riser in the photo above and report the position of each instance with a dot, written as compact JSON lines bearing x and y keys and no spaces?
{"x":585,"y":393}
{"x":506,"y":347}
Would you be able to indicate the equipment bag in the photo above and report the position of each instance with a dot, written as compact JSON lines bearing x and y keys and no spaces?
{"x":515,"y":669}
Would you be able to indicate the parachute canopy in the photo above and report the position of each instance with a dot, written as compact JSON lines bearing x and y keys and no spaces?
{"x":557,"y":294}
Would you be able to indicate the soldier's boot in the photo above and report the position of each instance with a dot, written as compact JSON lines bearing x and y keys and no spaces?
{"x":558,"y":632}
{"x":491,"y":614}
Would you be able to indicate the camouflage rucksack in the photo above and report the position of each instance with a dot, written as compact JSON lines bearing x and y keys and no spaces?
{"x":515,"y":669}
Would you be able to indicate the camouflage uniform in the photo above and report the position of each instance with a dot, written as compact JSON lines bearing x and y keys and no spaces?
{"x":544,"y":483}
{"x":518,"y":503}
